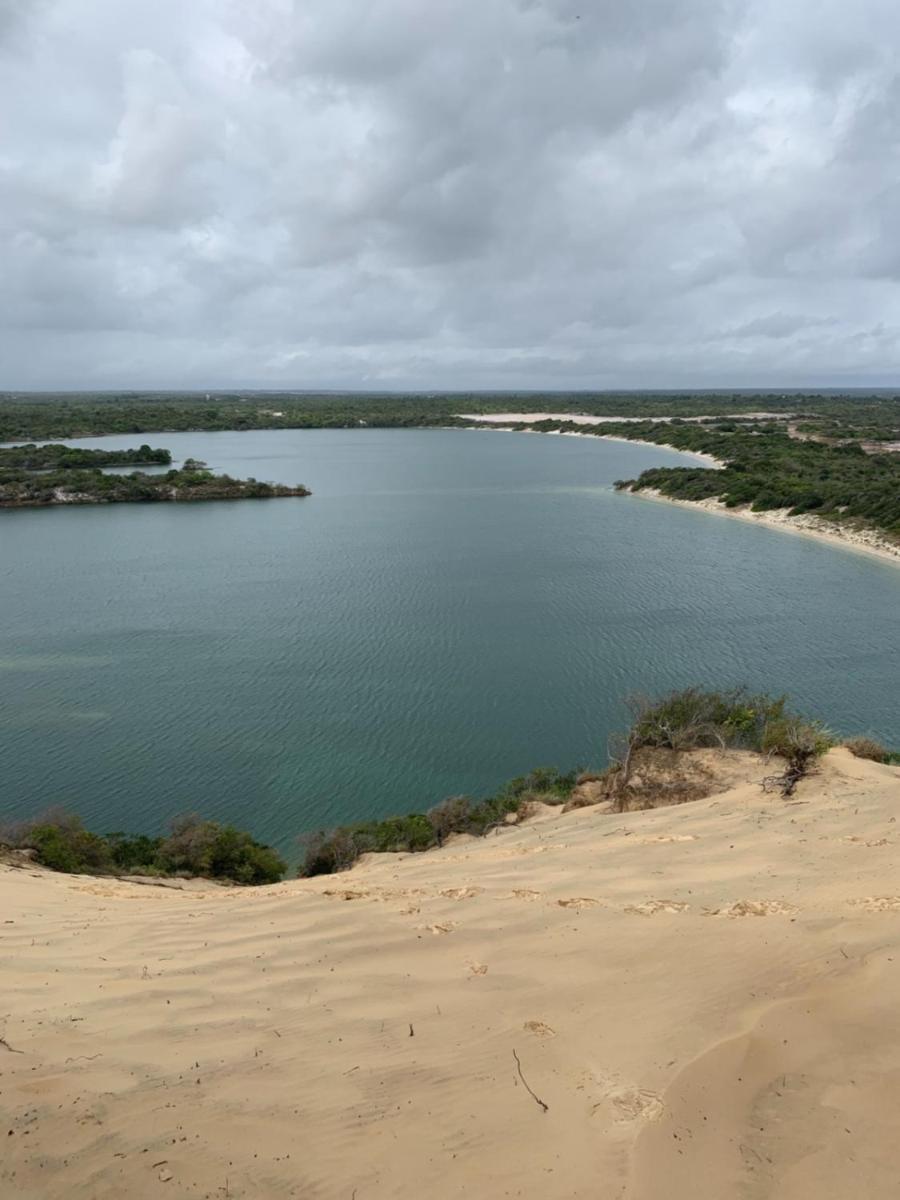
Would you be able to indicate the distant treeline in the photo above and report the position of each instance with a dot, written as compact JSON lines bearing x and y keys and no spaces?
{"x":81,"y":414}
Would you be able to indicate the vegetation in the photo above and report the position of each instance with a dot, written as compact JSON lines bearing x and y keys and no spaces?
{"x":78,"y":414}
{"x":866,"y":747}
{"x":828,"y":454}
{"x":337,"y":850}
{"x":690,"y":719}
{"x":767,"y":469}
{"x":192,"y":848}
{"x":57,"y":457}
{"x":693,"y":719}
{"x":20,"y":488}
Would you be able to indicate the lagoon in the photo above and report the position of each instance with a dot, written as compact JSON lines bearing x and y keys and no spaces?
{"x":449,"y":609}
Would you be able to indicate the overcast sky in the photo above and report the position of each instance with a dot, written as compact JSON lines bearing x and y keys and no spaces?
{"x":449,"y":193}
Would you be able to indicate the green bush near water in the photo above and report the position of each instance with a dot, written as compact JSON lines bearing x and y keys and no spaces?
{"x":338,"y":849}
{"x":193,"y":848}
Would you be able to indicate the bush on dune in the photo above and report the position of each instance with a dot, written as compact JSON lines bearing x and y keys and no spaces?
{"x":327,"y":851}
{"x":193,"y":848}
{"x":866,"y":747}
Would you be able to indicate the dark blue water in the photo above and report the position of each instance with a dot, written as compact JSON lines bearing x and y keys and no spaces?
{"x":447,"y":610}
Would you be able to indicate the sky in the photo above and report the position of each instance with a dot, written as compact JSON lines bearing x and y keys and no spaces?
{"x":441,"y":194}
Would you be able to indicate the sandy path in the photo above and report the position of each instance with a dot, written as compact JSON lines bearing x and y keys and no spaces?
{"x":705,"y":992}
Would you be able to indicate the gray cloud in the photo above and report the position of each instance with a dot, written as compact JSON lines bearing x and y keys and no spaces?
{"x":518,"y":193}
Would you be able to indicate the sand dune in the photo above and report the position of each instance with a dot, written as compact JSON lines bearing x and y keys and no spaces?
{"x":705,"y":998}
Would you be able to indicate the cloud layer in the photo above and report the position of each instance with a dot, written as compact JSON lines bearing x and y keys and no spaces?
{"x":463,"y":193}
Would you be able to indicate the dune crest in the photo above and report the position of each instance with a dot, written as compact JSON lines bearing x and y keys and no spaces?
{"x":692,"y":1001}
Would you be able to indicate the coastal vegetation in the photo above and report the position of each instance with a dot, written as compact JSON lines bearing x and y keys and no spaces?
{"x":80,"y":414}
{"x":661,"y":732}
{"x":764,"y":469}
{"x":21,"y":488}
{"x":59,"y":457}
{"x":193,"y":847}
{"x":690,"y":719}
{"x":830,"y":455}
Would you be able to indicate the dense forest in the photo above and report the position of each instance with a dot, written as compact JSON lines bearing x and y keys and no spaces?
{"x":31,"y":489}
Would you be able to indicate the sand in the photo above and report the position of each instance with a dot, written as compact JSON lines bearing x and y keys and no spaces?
{"x":705,"y":998}
{"x":866,"y":541}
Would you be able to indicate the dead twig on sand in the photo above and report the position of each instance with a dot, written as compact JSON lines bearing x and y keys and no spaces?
{"x":535,"y":1098}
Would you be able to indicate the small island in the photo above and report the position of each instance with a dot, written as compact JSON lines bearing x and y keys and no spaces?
{"x":42,"y":476}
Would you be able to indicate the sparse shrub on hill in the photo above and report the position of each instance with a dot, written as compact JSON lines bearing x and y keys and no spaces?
{"x":866,"y":747}
{"x":325,"y":851}
{"x":796,"y":740}
{"x":693,"y":719}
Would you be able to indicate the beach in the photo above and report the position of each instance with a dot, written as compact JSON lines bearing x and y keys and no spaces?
{"x":865,"y":541}
{"x":701,"y":1000}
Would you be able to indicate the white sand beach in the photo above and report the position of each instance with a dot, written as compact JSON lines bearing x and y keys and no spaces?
{"x":866,"y":541}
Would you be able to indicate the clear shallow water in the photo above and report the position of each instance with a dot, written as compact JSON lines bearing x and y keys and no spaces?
{"x":447,"y":610}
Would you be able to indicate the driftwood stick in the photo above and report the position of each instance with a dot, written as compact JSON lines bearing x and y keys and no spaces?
{"x":535,"y":1098}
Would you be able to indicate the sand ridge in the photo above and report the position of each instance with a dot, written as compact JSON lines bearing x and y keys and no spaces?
{"x":705,"y":998}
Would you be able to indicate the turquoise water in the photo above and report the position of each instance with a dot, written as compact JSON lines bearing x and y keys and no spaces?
{"x":447,"y":610}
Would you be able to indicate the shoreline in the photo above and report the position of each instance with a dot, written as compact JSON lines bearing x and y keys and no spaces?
{"x":715,"y":463}
{"x":864,"y":541}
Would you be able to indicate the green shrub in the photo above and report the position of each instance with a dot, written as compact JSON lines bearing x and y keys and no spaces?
{"x":693,"y":719}
{"x":452,"y":815}
{"x":194,"y":847}
{"x":197,"y":847}
{"x":797,"y":741}
{"x":62,"y":843}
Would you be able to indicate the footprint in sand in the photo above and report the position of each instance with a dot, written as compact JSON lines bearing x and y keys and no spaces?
{"x":753,"y":908}
{"x":651,"y":907}
{"x":877,"y":903}
{"x":476,"y":968}
{"x":858,"y":841}
{"x":524,"y":894}
{"x":461,"y":893}
{"x":673,"y":837}
{"x":578,"y":902}
{"x":443,"y":927}
{"x":637,"y":1105}
{"x":345,"y":894}
{"x":539,"y":1029}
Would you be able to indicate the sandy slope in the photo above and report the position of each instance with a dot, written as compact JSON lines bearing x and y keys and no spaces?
{"x":707,"y":998}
